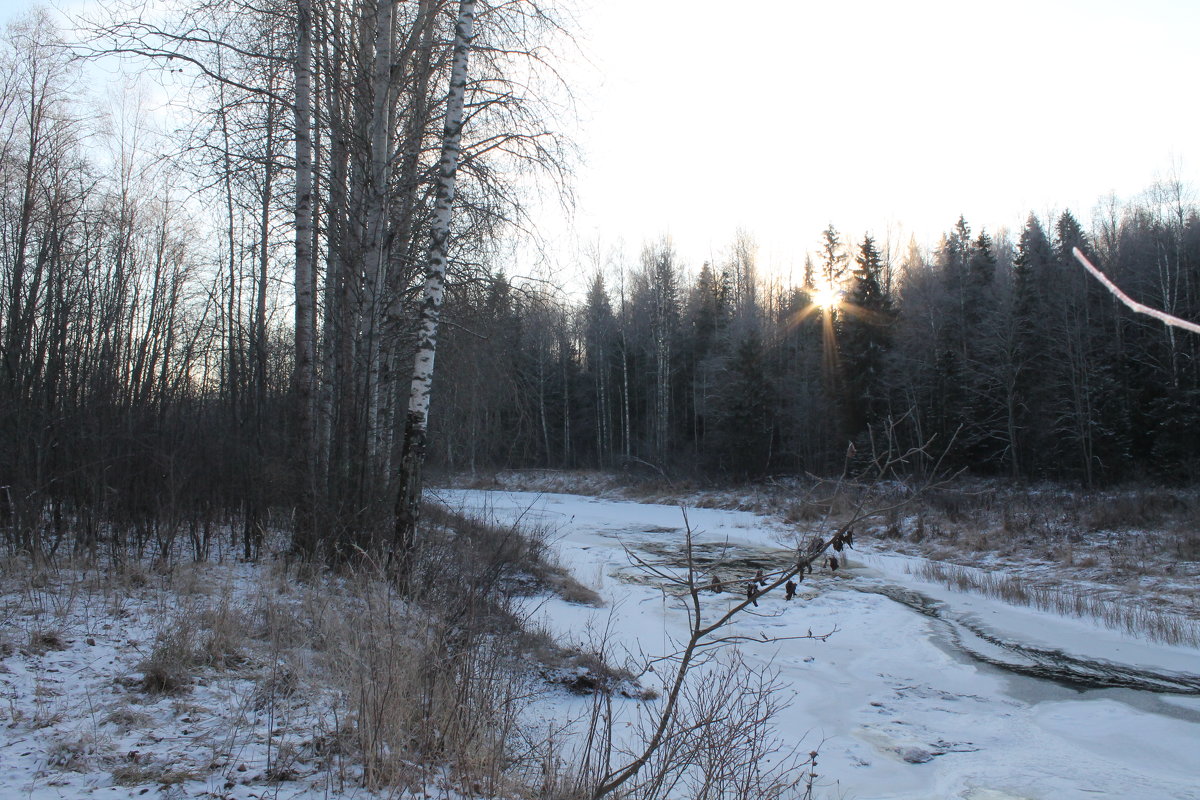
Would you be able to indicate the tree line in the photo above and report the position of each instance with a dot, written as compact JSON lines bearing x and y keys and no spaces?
{"x":997,"y":351}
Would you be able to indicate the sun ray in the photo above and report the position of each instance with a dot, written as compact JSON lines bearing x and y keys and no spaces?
{"x":826,"y":297}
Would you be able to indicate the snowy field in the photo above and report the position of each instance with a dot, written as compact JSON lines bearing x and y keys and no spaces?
{"x":922,"y":692}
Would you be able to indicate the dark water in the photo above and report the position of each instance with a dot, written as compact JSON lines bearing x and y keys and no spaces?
{"x":1068,"y":671}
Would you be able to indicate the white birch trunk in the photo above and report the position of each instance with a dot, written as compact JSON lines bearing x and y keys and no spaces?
{"x":408,"y":500}
{"x":403,"y":204}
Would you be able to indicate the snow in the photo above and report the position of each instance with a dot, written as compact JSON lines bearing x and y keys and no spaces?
{"x":76,"y":722}
{"x":897,"y":706}
{"x":898,"y":710}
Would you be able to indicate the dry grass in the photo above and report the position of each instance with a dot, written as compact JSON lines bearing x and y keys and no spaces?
{"x":1137,"y":509}
{"x":200,"y":635}
{"x":137,"y":772}
{"x":1136,"y":547}
{"x":1137,"y":619}
{"x":75,"y":755}
{"x":372,"y":681}
{"x":43,"y":641}
{"x":125,"y":719}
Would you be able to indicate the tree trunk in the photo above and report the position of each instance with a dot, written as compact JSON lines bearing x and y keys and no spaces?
{"x":408,"y":499}
{"x":375,"y":268}
{"x":305,"y":536}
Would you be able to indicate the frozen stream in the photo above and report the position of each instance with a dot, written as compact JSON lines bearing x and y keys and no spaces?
{"x":994,"y":701}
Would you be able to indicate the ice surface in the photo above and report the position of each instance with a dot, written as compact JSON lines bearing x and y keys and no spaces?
{"x":897,"y":710}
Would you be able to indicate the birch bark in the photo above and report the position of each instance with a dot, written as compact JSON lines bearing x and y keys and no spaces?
{"x":408,"y":499}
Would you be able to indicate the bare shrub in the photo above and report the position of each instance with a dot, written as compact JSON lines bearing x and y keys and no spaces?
{"x":1134,"y":509}
{"x":720,"y":743}
{"x":737,"y":752}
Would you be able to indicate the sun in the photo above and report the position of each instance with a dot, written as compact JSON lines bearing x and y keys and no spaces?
{"x":826,"y":297}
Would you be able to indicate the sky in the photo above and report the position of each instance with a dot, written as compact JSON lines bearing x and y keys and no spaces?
{"x":780,"y":117}
{"x":783,"y":116}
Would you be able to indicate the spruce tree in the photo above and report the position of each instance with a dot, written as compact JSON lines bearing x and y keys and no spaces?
{"x":865,"y":340}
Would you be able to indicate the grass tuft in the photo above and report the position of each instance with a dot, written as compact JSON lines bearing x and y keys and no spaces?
{"x":1137,"y":619}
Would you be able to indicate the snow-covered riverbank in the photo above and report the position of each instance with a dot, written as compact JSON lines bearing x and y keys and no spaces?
{"x":899,"y":707}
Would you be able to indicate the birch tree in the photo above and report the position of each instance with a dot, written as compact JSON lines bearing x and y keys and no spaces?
{"x":408,"y":501}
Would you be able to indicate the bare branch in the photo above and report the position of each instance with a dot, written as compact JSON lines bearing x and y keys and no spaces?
{"x":1134,"y":305}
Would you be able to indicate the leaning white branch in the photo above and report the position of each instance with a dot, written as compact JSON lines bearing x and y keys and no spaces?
{"x":1137,"y":307}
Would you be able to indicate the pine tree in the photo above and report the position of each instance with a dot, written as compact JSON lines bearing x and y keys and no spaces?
{"x":704,"y":348}
{"x":834,"y":261}
{"x":1082,"y":378}
{"x":742,"y":412}
{"x":1025,"y":405}
{"x":865,"y":340}
{"x":600,"y":350}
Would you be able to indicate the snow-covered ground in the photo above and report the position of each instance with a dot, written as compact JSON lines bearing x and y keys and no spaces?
{"x":922,"y":692}
{"x":906,"y":699}
{"x":76,"y":719}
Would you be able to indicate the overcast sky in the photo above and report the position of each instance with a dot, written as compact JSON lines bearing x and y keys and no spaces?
{"x":781,"y":116}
